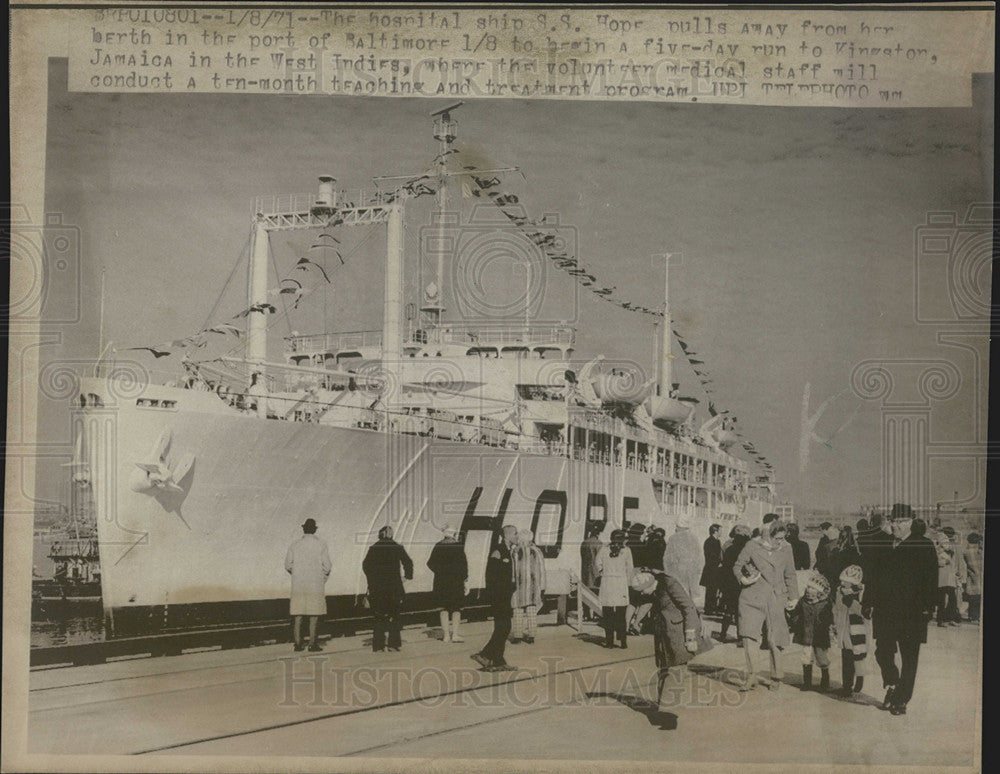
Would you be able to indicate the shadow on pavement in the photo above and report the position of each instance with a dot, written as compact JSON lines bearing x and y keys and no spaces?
{"x":665,"y":721}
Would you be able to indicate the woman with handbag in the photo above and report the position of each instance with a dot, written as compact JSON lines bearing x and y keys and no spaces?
{"x":676,"y":635}
{"x":766,"y":570}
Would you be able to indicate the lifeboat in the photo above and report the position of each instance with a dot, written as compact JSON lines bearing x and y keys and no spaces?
{"x":619,"y":387}
{"x":671,"y":411}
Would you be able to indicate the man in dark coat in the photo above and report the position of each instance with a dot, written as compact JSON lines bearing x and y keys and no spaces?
{"x":499,"y":589}
{"x":385,"y":587}
{"x":878,"y":531}
{"x":824,"y":554}
{"x":900,"y":593}
{"x":800,"y":548}
{"x":710,"y":573}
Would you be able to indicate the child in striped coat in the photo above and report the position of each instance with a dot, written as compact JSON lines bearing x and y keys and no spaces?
{"x":850,"y":628}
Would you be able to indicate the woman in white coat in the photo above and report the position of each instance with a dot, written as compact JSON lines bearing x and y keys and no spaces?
{"x":614,"y":568}
{"x":308,"y":562}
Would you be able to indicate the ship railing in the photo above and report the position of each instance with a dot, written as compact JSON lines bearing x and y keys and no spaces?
{"x":332,"y":342}
{"x":438,"y":424}
{"x":460,"y":333}
{"x":302,"y":203}
{"x":500,"y":335}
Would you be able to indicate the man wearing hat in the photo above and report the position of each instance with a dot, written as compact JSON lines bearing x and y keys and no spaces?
{"x":382,"y":565}
{"x":499,"y":588}
{"x":901,"y":594}
{"x":308,"y":562}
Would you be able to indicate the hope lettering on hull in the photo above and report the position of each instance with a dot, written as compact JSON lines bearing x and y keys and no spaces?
{"x":471,"y":522}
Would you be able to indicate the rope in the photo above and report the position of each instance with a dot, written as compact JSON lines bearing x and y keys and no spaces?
{"x":239,"y":260}
{"x":241,"y":345}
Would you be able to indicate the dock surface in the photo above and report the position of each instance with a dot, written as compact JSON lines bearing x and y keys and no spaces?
{"x":568,"y":698}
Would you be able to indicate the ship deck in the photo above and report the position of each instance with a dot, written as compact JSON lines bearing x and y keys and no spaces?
{"x":568,"y":699}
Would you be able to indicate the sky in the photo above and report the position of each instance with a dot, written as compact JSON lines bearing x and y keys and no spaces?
{"x":793,"y":231}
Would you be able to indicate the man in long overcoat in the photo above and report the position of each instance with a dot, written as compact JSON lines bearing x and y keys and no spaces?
{"x":500,"y":589}
{"x":900,"y":595}
{"x":308,"y":562}
{"x":382,"y":566}
{"x":711,"y":573}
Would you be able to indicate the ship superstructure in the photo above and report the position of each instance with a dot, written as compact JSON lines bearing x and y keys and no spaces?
{"x":199,"y":484}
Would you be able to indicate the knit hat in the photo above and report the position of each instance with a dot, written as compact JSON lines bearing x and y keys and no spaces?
{"x":819,"y":583}
{"x":853,"y":575}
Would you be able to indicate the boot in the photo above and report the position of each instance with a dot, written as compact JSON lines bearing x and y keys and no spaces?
{"x":824,"y":679}
{"x":445,"y":633}
{"x":456,"y":619}
{"x":807,"y":677}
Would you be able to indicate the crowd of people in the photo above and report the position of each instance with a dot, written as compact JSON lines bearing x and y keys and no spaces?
{"x":881,"y":582}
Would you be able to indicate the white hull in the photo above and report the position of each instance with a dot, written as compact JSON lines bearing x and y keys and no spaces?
{"x":220,"y":535}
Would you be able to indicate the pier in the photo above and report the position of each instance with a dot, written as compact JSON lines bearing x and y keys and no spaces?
{"x":567,"y":698}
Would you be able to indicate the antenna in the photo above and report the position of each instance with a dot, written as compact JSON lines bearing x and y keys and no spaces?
{"x":444,"y":111}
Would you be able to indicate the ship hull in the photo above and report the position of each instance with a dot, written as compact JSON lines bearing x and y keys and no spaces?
{"x":209,"y":549}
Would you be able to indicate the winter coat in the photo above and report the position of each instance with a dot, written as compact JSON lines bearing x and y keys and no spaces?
{"x":823,"y":550}
{"x":500,"y":578}
{"x":947,"y":561}
{"x":730,"y":586}
{"x":800,"y":554}
{"x":850,"y":627}
{"x":674,"y":617}
{"x":308,"y":561}
{"x":615,"y":573}
{"x":764,"y":601}
{"x":901,"y":587}
{"x":588,"y":556}
{"x":529,"y":575}
{"x":381,"y":566}
{"x":683,"y":559}
{"x":712,"y":551}
{"x":653,"y":556}
{"x":451,"y":569}
{"x":973,"y":558}
{"x":811,"y":621}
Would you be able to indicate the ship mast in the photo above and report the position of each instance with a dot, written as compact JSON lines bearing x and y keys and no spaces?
{"x":445,"y":132}
{"x":664,"y":378}
{"x":257,"y":293}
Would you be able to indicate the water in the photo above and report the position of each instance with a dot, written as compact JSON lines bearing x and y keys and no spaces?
{"x":66,"y":623}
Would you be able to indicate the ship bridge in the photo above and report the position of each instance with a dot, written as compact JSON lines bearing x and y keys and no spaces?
{"x":446,"y":340}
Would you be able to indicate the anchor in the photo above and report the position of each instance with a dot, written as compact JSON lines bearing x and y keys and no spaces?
{"x":158,"y":475}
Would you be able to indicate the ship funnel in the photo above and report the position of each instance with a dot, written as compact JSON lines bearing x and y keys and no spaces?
{"x":326,"y":199}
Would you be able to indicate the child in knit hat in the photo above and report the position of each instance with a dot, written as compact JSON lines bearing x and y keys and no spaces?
{"x":811,"y":625}
{"x":850,"y":628}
